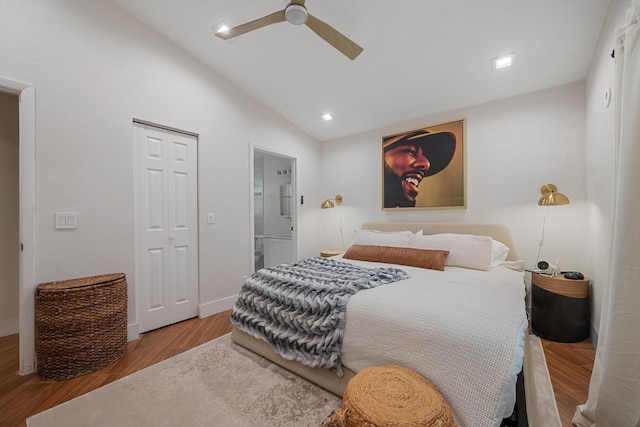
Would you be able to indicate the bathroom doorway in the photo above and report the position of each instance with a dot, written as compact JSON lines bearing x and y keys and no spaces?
{"x":274,"y":208}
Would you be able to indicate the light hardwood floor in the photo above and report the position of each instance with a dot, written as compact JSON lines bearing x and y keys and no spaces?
{"x":22,"y":396}
{"x":570,"y":367}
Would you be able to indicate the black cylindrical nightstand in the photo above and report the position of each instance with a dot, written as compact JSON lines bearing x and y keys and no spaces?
{"x":560,"y":308}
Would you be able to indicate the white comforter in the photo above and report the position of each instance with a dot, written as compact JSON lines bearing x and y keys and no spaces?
{"x":461,"y":329}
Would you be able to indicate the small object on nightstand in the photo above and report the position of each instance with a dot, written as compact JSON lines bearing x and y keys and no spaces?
{"x":326,"y":253}
{"x":573,"y":275}
{"x":560,"y":308}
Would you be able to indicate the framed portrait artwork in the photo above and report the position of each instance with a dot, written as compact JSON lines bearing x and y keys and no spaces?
{"x":425,"y":168}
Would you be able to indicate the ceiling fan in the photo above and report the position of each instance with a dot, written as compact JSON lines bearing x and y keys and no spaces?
{"x":296,"y":13}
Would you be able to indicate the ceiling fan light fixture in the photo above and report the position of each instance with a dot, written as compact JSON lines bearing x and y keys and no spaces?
{"x":296,"y":14}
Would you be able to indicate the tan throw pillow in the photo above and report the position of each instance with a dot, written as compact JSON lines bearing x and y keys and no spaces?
{"x":424,"y":258}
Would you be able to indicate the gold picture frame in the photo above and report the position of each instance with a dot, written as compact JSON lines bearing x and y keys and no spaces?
{"x":425,"y":168}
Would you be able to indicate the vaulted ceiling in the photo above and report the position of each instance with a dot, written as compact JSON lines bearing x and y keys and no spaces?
{"x":420,"y":56}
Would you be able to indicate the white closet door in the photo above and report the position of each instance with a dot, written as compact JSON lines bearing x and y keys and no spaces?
{"x":166,"y":226}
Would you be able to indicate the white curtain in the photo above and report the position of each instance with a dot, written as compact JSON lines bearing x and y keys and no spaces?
{"x":614,"y":392}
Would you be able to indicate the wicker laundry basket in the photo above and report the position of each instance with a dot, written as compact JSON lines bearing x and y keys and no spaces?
{"x":81,"y":325}
{"x":392,"y":395}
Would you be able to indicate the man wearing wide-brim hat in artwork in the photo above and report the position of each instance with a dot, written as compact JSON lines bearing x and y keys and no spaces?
{"x":408,"y":158}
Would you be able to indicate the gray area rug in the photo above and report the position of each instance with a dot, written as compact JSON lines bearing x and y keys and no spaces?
{"x":216,"y":384}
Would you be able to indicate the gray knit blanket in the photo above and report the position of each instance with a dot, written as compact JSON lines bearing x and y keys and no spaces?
{"x":299,"y":308}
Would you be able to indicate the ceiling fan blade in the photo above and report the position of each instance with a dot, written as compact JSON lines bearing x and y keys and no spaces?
{"x":273,"y":18}
{"x":336,"y":39}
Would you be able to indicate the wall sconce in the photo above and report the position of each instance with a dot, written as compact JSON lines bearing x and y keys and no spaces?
{"x":550,"y":197}
{"x":331,"y":203}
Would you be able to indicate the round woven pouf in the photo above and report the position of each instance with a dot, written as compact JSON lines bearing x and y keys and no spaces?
{"x":391,"y":395}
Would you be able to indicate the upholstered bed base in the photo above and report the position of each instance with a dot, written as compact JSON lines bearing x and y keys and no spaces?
{"x":328,"y":380}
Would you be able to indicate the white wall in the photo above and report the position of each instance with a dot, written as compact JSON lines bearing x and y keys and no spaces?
{"x":600,"y":155}
{"x":94,"y":69}
{"x":513,"y":147}
{"x":9,"y":211}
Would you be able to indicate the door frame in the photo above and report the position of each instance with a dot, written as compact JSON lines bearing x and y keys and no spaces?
{"x":253,"y":148}
{"x":27,"y":149}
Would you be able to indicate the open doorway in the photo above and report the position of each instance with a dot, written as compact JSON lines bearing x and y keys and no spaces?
{"x":25,"y":221}
{"x":273,"y":178}
{"x":9,"y":214}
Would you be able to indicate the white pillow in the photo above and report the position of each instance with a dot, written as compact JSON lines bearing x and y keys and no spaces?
{"x":397,"y":239}
{"x":465,"y":250}
{"x":499,"y":252}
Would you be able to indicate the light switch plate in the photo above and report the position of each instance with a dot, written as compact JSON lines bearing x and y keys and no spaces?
{"x":210,"y":218}
{"x":66,"y":220}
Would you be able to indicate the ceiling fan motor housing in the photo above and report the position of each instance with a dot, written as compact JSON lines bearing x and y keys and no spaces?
{"x":296,"y":14}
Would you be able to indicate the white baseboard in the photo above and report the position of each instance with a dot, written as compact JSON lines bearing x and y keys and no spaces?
{"x":133,"y":332}
{"x":9,"y":327}
{"x":204,"y":310}
{"x":215,"y":307}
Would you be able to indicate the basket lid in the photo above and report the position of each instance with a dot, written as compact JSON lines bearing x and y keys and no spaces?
{"x":80,"y":282}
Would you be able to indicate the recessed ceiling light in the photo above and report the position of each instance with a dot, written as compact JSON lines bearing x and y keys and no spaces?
{"x":504,"y":61}
{"x":326,"y":117}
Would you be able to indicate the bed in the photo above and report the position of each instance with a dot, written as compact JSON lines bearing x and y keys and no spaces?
{"x":464,"y":329}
